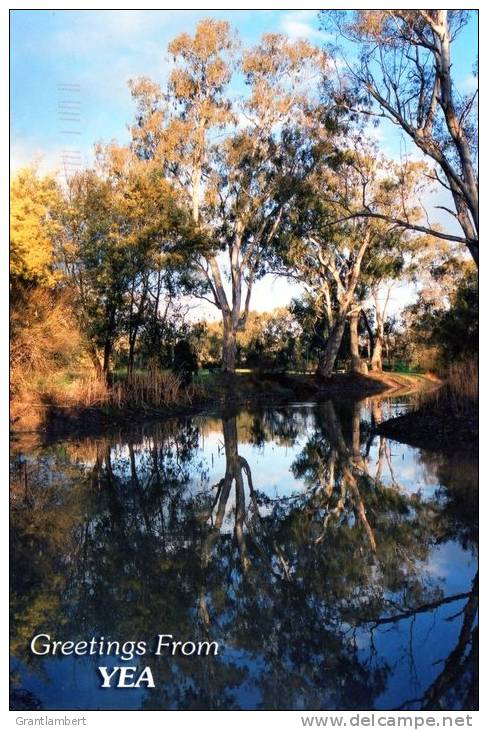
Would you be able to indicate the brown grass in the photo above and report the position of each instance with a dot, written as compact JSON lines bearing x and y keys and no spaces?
{"x":142,"y":393}
{"x":49,"y":367}
{"x":460,"y":388}
{"x":45,"y":342}
{"x":156,"y":390}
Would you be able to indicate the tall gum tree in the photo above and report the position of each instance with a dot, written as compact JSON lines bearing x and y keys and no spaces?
{"x":234,"y":159}
{"x":405,"y":67}
{"x":389,"y":260}
{"x":330,"y":250}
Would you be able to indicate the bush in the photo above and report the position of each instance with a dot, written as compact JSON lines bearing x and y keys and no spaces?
{"x":45,"y":340}
{"x":461,"y":388}
{"x":185,"y":362}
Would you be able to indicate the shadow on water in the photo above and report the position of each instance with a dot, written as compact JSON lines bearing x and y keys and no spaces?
{"x":336,"y":569}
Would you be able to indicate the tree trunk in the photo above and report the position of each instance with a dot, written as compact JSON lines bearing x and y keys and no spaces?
{"x":95,"y":360}
{"x":379,"y":337}
{"x":380,"y":312}
{"x":130,"y":357}
{"x":329,"y":355}
{"x":229,"y":347}
{"x":107,"y":351}
{"x":377,"y":356}
{"x":370,"y":333}
{"x":357,"y":365}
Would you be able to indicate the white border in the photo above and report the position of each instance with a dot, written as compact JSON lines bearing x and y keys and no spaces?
{"x":182,"y":719}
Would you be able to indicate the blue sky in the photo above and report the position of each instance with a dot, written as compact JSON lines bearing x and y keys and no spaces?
{"x":101,"y":50}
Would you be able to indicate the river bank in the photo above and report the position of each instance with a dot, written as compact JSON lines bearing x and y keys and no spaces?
{"x":436,"y":427}
{"x":219,"y":392}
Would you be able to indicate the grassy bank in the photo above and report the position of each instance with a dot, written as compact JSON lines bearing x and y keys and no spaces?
{"x":90,"y":405}
{"x":446,"y":419}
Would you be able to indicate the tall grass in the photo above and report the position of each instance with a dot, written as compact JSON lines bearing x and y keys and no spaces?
{"x":154,"y":390}
{"x":461,"y":385}
{"x":458,"y":392}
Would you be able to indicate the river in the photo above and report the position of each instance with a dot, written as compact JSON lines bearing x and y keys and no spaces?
{"x":335,"y":569}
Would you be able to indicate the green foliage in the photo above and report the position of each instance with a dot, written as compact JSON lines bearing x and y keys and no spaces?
{"x":185,"y":362}
{"x":211,"y":194}
{"x":121,"y":248}
{"x":451,"y":327}
{"x":457,"y":330}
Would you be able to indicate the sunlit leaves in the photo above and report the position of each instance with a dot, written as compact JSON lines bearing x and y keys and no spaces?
{"x":33,"y":226}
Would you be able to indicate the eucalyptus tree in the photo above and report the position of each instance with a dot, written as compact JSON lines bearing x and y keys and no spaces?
{"x":330,"y":249}
{"x":390,"y":261}
{"x":233,"y":160}
{"x":405,"y":73}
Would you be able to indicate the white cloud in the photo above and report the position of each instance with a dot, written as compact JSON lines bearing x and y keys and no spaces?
{"x":50,"y":157}
{"x":298,"y":24}
{"x":27,"y":152}
{"x":469,"y":84}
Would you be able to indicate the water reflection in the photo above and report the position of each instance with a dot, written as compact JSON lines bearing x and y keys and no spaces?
{"x":335,"y":568}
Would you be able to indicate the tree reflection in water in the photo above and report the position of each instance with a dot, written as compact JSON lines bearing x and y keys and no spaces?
{"x":132,"y":539}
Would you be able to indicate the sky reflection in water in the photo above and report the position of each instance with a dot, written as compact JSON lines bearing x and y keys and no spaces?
{"x":335,"y":568}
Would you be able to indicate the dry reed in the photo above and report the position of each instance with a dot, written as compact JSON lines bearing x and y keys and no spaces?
{"x":461,"y":387}
{"x":155,"y":390}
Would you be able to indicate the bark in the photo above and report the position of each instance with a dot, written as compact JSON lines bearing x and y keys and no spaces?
{"x":377,"y":356}
{"x":462,"y":182}
{"x":379,"y":336}
{"x":107,"y":352}
{"x":370,"y":333}
{"x":456,"y":131}
{"x":95,"y":360}
{"x":136,"y":316}
{"x":329,"y":355}
{"x":357,"y":365}
{"x":229,"y":346}
{"x":108,"y":345}
{"x":130,"y":357}
{"x":346,"y":295}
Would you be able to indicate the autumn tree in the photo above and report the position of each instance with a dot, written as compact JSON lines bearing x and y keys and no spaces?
{"x":233,"y":160}
{"x":43,"y":335}
{"x":405,"y":74}
{"x":33,"y":223}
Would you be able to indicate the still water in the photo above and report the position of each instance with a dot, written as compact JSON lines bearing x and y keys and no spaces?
{"x":336,"y":569}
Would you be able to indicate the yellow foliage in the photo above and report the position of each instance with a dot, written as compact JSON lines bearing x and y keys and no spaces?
{"x":33,"y":201}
